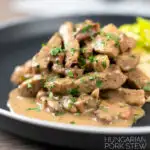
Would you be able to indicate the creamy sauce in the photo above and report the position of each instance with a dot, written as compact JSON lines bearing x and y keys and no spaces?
{"x":20,"y":105}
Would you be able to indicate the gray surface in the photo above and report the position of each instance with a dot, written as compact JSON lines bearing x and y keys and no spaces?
{"x":12,"y":142}
{"x":53,"y":8}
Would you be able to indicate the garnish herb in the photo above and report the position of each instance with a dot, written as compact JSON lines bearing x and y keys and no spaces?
{"x":23,"y":78}
{"x":92,"y":38}
{"x":70,"y":74}
{"x":91,"y":78}
{"x":51,"y":78}
{"x":50,"y":82}
{"x":37,"y":109}
{"x":51,"y":85}
{"x":147,"y":87}
{"x":29,"y":85}
{"x":73,"y":99}
{"x":103,"y":108}
{"x":92,"y":59}
{"x":82,"y":80}
{"x":57,"y":61}
{"x":104,"y":64}
{"x":73,"y":92}
{"x":111,"y":36}
{"x":83,"y":50}
{"x":86,"y":28}
{"x":70,"y":105}
{"x":132,"y":56}
{"x":38,"y":66}
{"x":42,"y":83}
{"x":72,"y":122}
{"x":100,"y":44}
{"x":50,"y":95}
{"x":43,"y":44}
{"x":78,"y":114}
{"x":82,"y":61}
{"x":99,"y":83}
{"x":59,"y":113}
{"x":66,"y":45}
{"x":135,"y":118}
{"x":72,"y":51}
{"x":56,"y":51}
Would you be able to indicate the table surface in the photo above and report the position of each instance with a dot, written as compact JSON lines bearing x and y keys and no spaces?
{"x":12,"y":142}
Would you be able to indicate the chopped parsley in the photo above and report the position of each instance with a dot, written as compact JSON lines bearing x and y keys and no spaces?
{"x":72,"y":51}
{"x":103,"y":108}
{"x":42,"y":83}
{"x":113,"y":37}
{"x":135,"y":118}
{"x":83,"y":50}
{"x":73,"y":99}
{"x":73,"y":92}
{"x":50,"y":95}
{"x":132,"y":56}
{"x":86,"y":28}
{"x":37,"y":109}
{"x":66,"y":45}
{"x":51,"y":85}
{"x":147,"y":87}
{"x":59,"y":113}
{"x":82,"y":61}
{"x":38,"y":66}
{"x":100,"y":44}
{"x":92,"y":59}
{"x":23,"y":78}
{"x":104,"y":64}
{"x":82,"y":80}
{"x":103,"y":43}
{"x":78,"y":114}
{"x":72,"y":122}
{"x":92,"y":78}
{"x":56,"y":51}
{"x":70,"y":105}
{"x":92,"y":38}
{"x":99,"y":83}
{"x":70,"y":74}
{"x":43,"y":44}
{"x":29,"y":85}
{"x":51,"y":78}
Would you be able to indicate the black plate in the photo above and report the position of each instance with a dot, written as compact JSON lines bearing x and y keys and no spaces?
{"x":19,"y":42}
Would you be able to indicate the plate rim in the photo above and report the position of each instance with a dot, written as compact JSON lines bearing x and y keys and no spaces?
{"x":75,"y":128}
{"x":20,"y":21}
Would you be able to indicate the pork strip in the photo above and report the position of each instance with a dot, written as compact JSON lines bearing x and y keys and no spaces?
{"x":86,"y":30}
{"x":43,"y":57}
{"x":30,"y":87}
{"x":128,"y":61}
{"x":136,"y":78}
{"x":22,"y":72}
{"x":70,"y":43}
{"x":102,"y":45}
